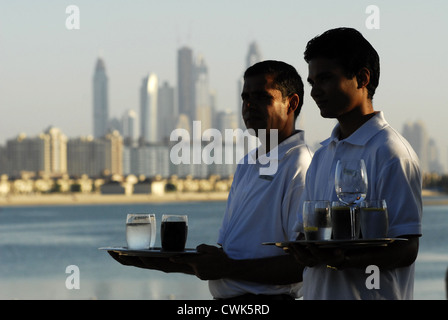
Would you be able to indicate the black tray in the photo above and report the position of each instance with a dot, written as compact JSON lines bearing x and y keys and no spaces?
{"x":338,"y":243}
{"x":152,"y":252}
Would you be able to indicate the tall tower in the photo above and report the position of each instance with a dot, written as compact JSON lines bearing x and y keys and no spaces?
{"x":100,"y":100}
{"x":167,"y":111}
{"x":185,"y":79}
{"x":148,"y":109}
{"x":416,"y":134}
{"x":129,"y":127}
{"x":253,"y":55}
{"x":202,"y":93}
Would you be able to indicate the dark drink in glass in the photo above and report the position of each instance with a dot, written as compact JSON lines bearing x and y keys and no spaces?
{"x":173,"y":233}
{"x":341,"y":221}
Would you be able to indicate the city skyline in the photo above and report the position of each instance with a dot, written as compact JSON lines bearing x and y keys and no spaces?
{"x":55,"y":64}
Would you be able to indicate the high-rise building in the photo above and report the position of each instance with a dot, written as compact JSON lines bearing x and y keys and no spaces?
{"x":149,"y":161}
{"x":129,"y":127}
{"x":167,"y":111}
{"x":203,"y":105}
{"x":417,"y":136}
{"x":114,"y":153}
{"x":43,"y":154}
{"x":85,"y":156}
{"x":95,"y":157}
{"x":424,"y":146}
{"x":100,"y":100}
{"x":253,"y":56}
{"x":148,"y":109}
{"x":58,"y":151}
{"x":28,"y":154}
{"x":185,"y":82}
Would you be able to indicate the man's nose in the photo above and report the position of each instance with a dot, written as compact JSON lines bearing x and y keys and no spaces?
{"x":315,"y":92}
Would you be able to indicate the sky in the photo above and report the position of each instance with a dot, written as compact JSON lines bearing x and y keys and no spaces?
{"x":46,"y":69}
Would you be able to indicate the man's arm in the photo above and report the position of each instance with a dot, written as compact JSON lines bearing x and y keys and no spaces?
{"x":214,"y":264}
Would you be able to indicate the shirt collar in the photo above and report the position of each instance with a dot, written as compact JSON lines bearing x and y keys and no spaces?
{"x":294,"y":141}
{"x":364,"y":133}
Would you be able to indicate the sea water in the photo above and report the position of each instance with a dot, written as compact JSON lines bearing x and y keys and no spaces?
{"x":37,"y":244}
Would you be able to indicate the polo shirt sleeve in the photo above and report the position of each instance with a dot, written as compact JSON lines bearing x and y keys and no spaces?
{"x":290,"y":209}
{"x":399,"y":183}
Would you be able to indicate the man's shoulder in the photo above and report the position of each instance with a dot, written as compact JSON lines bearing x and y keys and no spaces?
{"x":390,"y":142}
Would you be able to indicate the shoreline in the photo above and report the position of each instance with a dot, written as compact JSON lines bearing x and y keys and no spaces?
{"x":429,"y":198}
{"x":89,"y":199}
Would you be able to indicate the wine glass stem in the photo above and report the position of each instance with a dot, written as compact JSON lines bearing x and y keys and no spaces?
{"x":353,"y":219}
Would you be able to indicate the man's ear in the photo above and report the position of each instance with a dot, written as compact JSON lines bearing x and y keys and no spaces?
{"x":293,"y":103}
{"x":363,"y":78}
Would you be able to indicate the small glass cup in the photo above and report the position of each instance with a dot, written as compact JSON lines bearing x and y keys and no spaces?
{"x":140,"y":230}
{"x":173,"y":232}
{"x":317,"y":220}
{"x":345,"y":221}
{"x":374,"y":219}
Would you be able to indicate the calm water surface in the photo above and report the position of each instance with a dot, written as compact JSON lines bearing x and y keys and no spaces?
{"x":38,"y":243}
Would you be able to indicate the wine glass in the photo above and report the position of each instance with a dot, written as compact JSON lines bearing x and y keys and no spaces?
{"x":351,"y":188}
{"x":351,"y":181}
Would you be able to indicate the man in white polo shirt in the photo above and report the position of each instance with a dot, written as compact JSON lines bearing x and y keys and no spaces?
{"x":263,"y":199}
{"x":261,"y":206}
{"x":344,"y":73}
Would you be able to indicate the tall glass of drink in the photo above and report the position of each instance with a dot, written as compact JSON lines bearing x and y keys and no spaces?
{"x":173,"y":232}
{"x":317,"y":220}
{"x":140,"y":230}
{"x":374,"y":219}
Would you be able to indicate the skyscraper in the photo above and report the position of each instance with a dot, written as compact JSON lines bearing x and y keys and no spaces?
{"x":129,"y":127}
{"x":58,"y":151}
{"x":417,"y":136}
{"x":100,"y":100}
{"x":167,"y":111}
{"x":185,"y":85}
{"x":45,"y":153}
{"x":253,"y":56}
{"x":148,"y":110}
{"x":203,"y":105}
{"x":424,"y":146}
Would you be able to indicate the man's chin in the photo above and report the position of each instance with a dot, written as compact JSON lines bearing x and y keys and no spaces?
{"x":252,"y":131}
{"x":325,"y":114}
{"x":254,"y":127}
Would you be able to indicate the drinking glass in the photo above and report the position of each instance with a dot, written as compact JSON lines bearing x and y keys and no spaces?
{"x":351,"y":181}
{"x":317,"y":220}
{"x":174,"y":230}
{"x":374,"y":219}
{"x":140,"y":230}
{"x":344,"y":221}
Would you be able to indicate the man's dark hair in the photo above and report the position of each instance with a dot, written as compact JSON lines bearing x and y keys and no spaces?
{"x":350,"y":50}
{"x":285,"y":77}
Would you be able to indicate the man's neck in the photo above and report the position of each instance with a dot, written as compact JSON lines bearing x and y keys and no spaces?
{"x":353,"y":120}
{"x":280,"y":138}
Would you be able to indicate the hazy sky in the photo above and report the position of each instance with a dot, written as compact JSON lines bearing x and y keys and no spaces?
{"x":46,"y":70}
